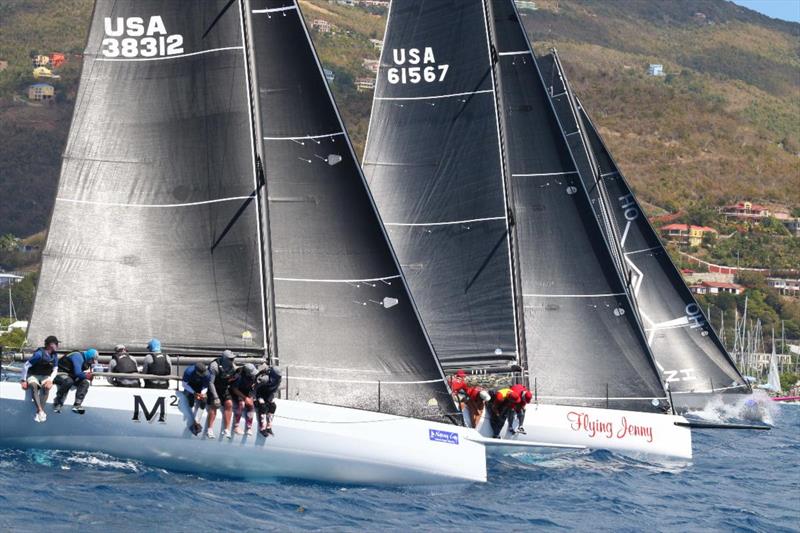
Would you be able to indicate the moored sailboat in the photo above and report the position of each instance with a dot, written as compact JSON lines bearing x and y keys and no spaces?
{"x":209,"y":194}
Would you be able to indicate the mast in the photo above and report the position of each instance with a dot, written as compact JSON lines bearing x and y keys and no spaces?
{"x":519,"y":312}
{"x":261,"y":192}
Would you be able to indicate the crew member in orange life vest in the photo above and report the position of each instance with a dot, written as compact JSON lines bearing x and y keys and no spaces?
{"x":518,"y":409}
{"x":476,"y":401}
{"x":501,"y":403}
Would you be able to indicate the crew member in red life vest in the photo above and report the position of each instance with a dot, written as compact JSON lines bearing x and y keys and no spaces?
{"x":518,"y":409}
{"x":458,"y":386}
{"x":501,"y":403}
{"x":476,"y":401}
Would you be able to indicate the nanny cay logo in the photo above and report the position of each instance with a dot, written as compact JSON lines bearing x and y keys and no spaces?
{"x":438,"y":435}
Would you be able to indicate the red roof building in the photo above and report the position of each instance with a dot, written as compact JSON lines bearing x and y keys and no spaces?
{"x":746,"y":210}
{"x":685,"y":233}
{"x":57,"y":59}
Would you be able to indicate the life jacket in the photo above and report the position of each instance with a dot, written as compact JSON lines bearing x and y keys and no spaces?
{"x":474,"y":393}
{"x":458,"y":384}
{"x":159,"y":366}
{"x":125,"y":364}
{"x":506,"y":395}
{"x":268,"y":384}
{"x":245,"y":383}
{"x":66,"y":365}
{"x":520,"y":390}
{"x":44,"y":366}
{"x":224,"y":374}
{"x":198,"y":382}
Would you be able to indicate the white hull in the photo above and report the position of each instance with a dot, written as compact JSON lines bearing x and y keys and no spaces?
{"x":628,"y":432}
{"x":315,"y":442}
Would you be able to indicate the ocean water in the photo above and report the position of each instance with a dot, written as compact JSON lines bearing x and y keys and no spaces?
{"x":738,"y":481}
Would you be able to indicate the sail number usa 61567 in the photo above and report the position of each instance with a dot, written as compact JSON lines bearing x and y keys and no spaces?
{"x":136,"y":37}
{"x":414,"y":65}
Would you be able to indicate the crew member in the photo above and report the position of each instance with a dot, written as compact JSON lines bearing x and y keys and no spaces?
{"x":157,"y":364}
{"x":38,"y":374}
{"x":122,"y":363}
{"x":458,"y":386}
{"x":223,"y":374}
{"x":476,"y":401}
{"x":73,"y":370}
{"x":196,"y":379}
{"x":242,"y":395}
{"x":501,"y":402}
{"x":267,"y":388}
{"x":518,"y":409}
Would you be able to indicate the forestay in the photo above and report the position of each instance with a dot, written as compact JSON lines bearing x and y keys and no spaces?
{"x":434,"y":167}
{"x":157,"y":164}
{"x":347,"y":331}
{"x":584,"y":342}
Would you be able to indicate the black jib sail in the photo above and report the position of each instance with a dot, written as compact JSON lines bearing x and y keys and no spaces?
{"x":157,"y":164}
{"x":434,"y":167}
{"x":347,"y":330}
{"x":688,"y":352}
{"x":584,"y":343}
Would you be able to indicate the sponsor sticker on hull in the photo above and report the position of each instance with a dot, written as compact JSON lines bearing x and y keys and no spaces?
{"x":437,"y":435}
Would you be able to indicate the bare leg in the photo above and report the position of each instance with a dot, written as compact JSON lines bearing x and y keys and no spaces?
{"x":227,"y":414}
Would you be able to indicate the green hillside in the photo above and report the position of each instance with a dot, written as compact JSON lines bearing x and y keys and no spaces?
{"x":722,"y":125}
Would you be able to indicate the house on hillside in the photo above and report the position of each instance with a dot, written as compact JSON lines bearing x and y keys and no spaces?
{"x":716,"y":287}
{"x":365,"y":84}
{"x":377,"y":43}
{"x":655,"y":69}
{"x":322,"y":26}
{"x":785,"y":286}
{"x":41,"y":92}
{"x":371,"y":65}
{"x":9,"y":278}
{"x":329,"y":75}
{"x":526,"y":5}
{"x":41,"y":60}
{"x":745,"y":211}
{"x":44,"y":72}
{"x":686,"y":234}
{"x":3,"y":65}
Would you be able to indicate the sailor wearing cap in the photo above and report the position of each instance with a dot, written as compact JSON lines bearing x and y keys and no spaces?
{"x":196,"y":379}
{"x":74,"y":370}
{"x":242,"y":393}
{"x":156,"y":363}
{"x":122,"y":363}
{"x":38,"y":374}
{"x":223,"y":373}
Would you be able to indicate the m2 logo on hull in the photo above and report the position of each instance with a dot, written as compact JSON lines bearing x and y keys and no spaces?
{"x":438,"y":435}
{"x":160,"y":409}
{"x":134,"y":37}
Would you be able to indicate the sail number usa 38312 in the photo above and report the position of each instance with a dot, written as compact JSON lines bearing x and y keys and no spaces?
{"x":133,"y":37}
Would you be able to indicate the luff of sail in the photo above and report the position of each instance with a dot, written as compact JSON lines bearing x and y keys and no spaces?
{"x":584,"y":343}
{"x":433,"y":164}
{"x":688,"y":352}
{"x":156,"y":167}
{"x":347,"y":330}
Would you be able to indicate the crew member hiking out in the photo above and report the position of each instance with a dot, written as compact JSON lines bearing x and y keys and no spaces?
{"x":266,"y":389}
{"x":157,"y":364}
{"x":458,"y":386}
{"x":223,"y":373}
{"x":518,"y":409}
{"x":476,"y":401}
{"x":73,"y":370}
{"x":122,"y":363}
{"x":38,"y":374}
{"x":196,"y":379}
{"x":502,"y":401}
{"x":242,"y":395}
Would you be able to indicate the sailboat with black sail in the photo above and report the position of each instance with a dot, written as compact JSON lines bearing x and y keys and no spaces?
{"x":691,"y":358}
{"x":492,"y":224}
{"x":209,"y":194}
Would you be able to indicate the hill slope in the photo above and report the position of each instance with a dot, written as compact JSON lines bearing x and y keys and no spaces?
{"x":724,"y":124}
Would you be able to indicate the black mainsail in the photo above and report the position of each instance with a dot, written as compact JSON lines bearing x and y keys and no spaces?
{"x":157,"y":164}
{"x":209,"y":196}
{"x":584,"y":343}
{"x":434,"y":166}
{"x":346,"y":327}
{"x":688,"y":352}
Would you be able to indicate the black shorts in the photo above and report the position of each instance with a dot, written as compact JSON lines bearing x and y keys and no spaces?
{"x":223,"y":390}
{"x":191,"y":399}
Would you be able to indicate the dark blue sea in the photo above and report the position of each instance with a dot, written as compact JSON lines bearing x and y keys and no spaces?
{"x":738,"y":481}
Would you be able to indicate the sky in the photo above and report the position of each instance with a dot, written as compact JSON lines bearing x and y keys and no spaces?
{"x":779,"y":9}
